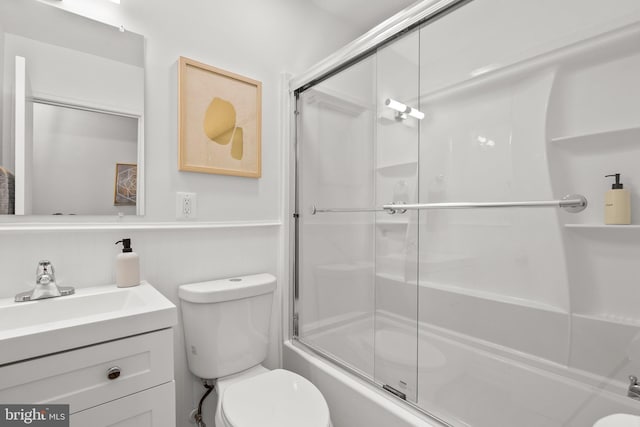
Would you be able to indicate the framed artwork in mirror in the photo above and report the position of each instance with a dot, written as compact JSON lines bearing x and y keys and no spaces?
{"x":126,"y":186}
{"x":220,"y":120}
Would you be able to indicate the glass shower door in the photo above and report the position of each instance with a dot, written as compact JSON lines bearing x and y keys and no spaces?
{"x":396,"y":240}
{"x":492,"y":281}
{"x":357,"y":263}
{"x":336,"y":200}
{"x":519,"y":323}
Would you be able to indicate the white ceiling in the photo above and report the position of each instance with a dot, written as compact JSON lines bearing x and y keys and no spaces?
{"x":363,"y":14}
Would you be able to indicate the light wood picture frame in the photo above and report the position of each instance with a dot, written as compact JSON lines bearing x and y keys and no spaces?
{"x":220,"y":121}
{"x":125,"y":191}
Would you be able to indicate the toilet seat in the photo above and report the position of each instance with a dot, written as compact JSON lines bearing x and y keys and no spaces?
{"x":277,"y":398}
{"x":618,"y":420}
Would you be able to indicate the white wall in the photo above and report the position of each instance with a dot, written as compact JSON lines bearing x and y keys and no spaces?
{"x":250,"y":37}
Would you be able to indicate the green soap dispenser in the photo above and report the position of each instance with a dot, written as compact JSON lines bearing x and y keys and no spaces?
{"x":617,"y":204}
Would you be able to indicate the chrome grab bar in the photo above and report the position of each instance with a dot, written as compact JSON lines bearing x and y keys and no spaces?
{"x":573,"y":203}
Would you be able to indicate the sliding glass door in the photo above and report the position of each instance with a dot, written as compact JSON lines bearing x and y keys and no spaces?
{"x":396,"y":239}
{"x":336,"y":195}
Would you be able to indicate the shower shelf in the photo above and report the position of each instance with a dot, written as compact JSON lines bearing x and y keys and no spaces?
{"x":399,"y":221}
{"x":609,"y":318}
{"x":397,"y":168}
{"x":492,"y":296}
{"x":603,"y":226}
{"x":619,"y":135}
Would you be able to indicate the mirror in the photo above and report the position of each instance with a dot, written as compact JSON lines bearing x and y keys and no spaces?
{"x":71,"y":114}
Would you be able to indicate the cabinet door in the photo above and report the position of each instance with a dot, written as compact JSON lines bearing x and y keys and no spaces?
{"x":154,"y":407}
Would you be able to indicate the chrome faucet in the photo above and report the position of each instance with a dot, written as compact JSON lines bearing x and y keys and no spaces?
{"x":634,"y":388}
{"x":46,"y":286}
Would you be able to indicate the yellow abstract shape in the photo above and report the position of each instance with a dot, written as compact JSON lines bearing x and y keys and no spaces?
{"x":237,"y":147}
{"x":219,"y":121}
{"x":225,"y":138}
{"x":220,"y":126}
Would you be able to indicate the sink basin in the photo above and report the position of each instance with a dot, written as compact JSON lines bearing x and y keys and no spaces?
{"x":90,"y":316}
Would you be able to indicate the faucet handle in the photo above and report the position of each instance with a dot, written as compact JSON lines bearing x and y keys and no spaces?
{"x":633,"y":380}
{"x":45,"y":273}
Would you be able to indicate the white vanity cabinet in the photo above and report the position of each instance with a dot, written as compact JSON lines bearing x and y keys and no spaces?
{"x":123,"y":382}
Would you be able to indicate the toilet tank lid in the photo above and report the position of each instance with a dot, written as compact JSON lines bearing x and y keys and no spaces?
{"x":228,"y":289}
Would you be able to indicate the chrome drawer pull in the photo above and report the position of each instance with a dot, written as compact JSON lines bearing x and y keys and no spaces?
{"x":113,"y":372}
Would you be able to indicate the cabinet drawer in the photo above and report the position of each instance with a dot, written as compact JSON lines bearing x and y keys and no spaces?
{"x":149,"y":408}
{"x":79,"y":377}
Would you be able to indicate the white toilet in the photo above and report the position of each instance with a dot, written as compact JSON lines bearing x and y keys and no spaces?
{"x":618,"y":420}
{"x":226,"y":327}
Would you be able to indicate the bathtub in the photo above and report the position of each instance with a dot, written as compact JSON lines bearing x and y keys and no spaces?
{"x":464,"y":382}
{"x":352,"y":402}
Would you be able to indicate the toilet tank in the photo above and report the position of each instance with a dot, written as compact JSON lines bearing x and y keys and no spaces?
{"x":226,"y":323}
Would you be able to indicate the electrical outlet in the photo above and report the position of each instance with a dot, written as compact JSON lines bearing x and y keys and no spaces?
{"x":186,"y":205}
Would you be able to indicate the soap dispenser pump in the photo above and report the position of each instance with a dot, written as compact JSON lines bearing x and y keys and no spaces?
{"x":127,"y":266}
{"x":617,"y":203}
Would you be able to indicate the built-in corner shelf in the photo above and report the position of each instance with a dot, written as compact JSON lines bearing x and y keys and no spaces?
{"x":620,"y":135}
{"x":603,"y":226}
{"x":399,"y":168}
{"x":610,"y":319}
{"x":393,"y":221}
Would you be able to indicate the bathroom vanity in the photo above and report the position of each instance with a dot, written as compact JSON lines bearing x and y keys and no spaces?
{"x":105,"y":351}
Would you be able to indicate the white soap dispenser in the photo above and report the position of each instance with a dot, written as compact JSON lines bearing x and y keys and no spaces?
{"x":617,"y":204}
{"x":127,"y":266}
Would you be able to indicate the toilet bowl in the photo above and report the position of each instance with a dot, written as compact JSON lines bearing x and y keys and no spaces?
{"x":276,"y":398}
{"x":618,"y":420}
{"x":226,"y":328}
